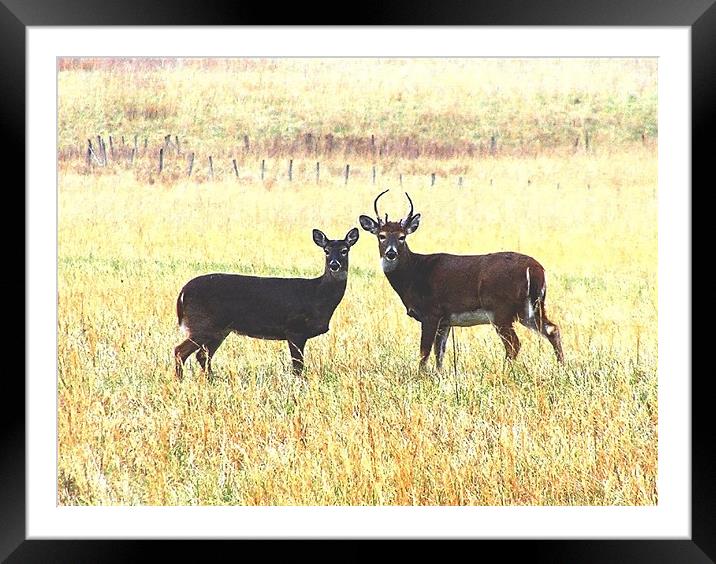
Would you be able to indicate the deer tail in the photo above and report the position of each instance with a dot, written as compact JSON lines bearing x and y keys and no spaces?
{"x":180,"y":307}
{"x":536,"y":292}
{"x":536,"y":286}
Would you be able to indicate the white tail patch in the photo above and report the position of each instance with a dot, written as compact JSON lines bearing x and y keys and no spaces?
{"x":529,"y":309}
{"x":182,"y":326}
{"x":528,"y":282}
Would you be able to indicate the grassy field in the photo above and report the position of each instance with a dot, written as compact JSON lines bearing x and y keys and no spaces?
{"x":364,"y":427}
{"x":424,"y":107}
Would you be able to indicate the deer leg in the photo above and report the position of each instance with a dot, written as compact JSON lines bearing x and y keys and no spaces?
{"x":427,"y":338}
{"x":295,"y":347}
{"x":181,"y":353}
{"x":206,"y":352}
{"x":441,"y":338}
{"x":551,"y":331}
{"x":546,"y":328}
{"x":509,"y":339}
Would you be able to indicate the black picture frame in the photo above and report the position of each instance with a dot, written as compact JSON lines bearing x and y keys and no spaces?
{"x":699,"y":15}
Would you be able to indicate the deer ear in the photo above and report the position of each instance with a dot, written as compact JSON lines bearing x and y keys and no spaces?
{"x":319,"y":238}
{"x":352,"y":237}
{"x":413,"y":225}
{"x":369,"y":224}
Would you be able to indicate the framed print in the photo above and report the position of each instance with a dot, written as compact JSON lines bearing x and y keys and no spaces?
{"x":196,"y":170}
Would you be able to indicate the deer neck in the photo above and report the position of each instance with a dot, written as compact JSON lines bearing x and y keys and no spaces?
{"x":332,"y":286}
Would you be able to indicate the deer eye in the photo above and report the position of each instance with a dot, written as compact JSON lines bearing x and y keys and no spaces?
{"x":326,"y":251}
{"x":401,"y":238}
{"x":344,"y":252}
{"x":381,"y":237}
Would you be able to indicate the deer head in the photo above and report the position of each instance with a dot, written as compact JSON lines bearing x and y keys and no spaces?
{"x":391,"y":234}
{"x":336,"y":252}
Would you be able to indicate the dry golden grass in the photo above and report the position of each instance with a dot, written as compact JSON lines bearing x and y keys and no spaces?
{"x":364,"y":427}
{"x":427,"y":107}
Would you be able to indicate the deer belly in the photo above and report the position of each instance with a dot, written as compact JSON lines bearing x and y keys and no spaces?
{"x":260,"y":329}
{"x":470,"y":318}
{"x":263,"y":333}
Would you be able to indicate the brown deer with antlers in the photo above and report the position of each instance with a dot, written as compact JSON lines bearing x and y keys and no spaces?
{"x":442,"y":291}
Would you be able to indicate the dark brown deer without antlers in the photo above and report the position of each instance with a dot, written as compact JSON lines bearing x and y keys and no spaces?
{"x":292,"y":309}
{"x":442,"y":291}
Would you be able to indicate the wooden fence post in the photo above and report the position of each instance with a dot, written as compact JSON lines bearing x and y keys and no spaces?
{"x":263,"y":168}
{"x":373,"y":175}
{"x":102,"y":149}
{"x":161,"y":159}
{"x":432,"y":179}
{"x":348,"y":171}
{"x":191,"y":164}
{"x":459,"y":181}
{"x":318,"y":172}
{"x":211,"y":168}
{"x":236,"y":168}
{"x":290,"y":170}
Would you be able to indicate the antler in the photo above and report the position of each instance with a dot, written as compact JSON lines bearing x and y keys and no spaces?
{"x":410,"y":213}
{"x":406,"y":221}
{"x":375,"y":206}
